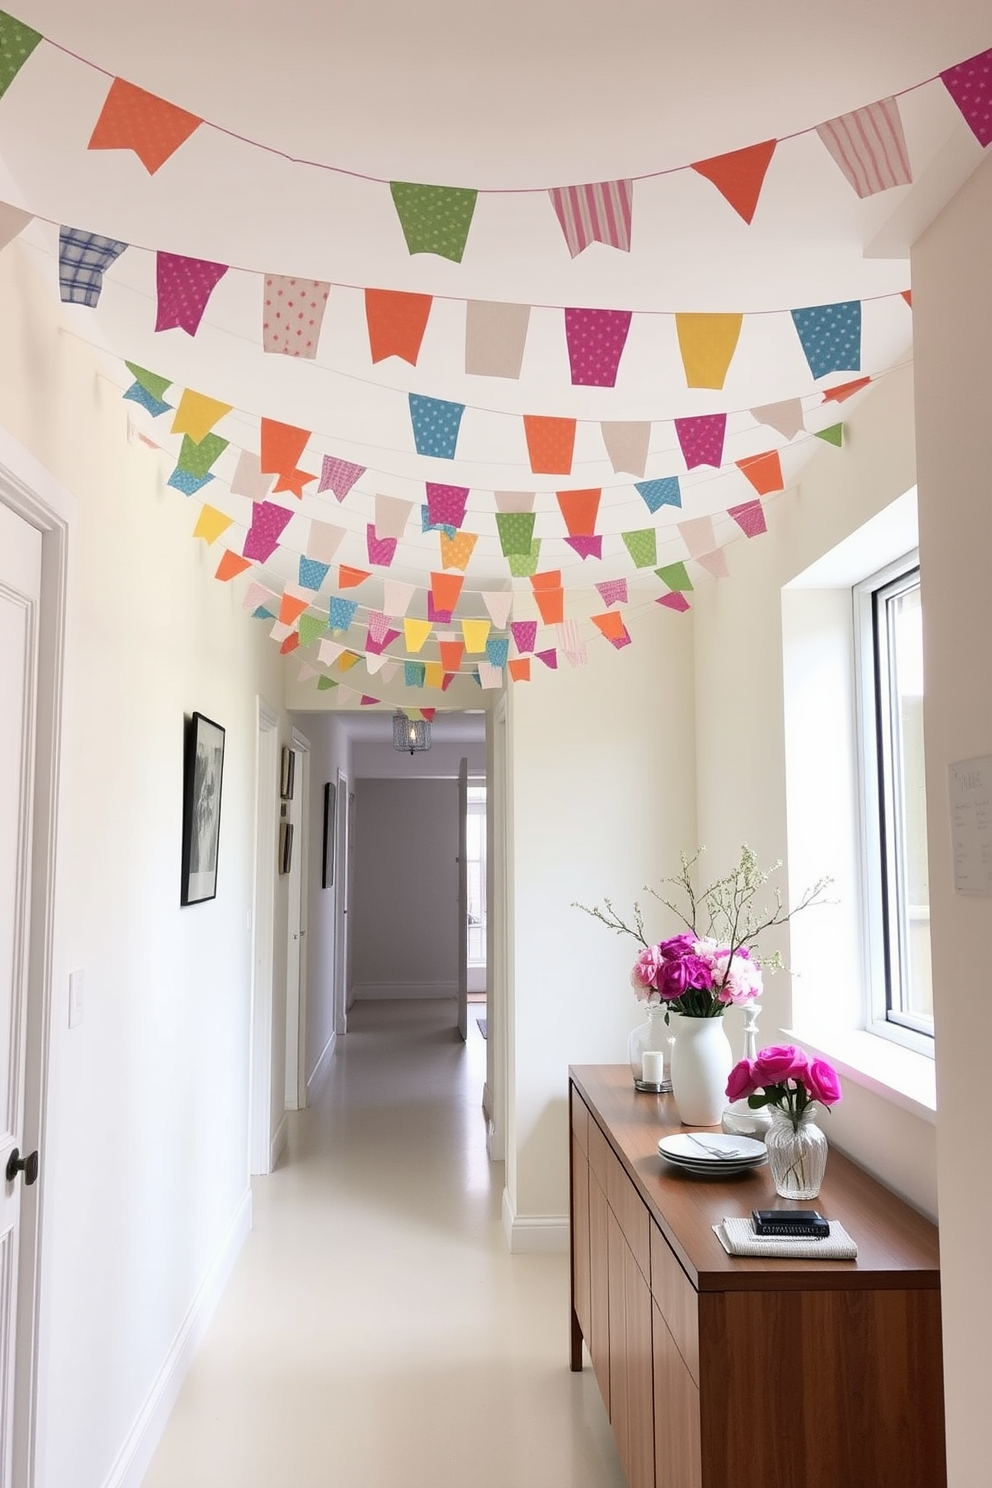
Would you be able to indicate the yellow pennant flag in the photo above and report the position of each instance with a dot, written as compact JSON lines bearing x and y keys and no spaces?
{"x":457,"y":550}
{"x":347,"y":661}
{"x":433,"y":674}
{"x":416,"y":632}
{"x":211,"y":523}
{"x":476,"y":634}
{"x":707,"y":343}
{"x":197,"y":414}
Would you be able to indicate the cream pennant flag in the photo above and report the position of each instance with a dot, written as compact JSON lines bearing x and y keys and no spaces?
{"x":249,"y":479}
{"x":495,"y":336}
{"x":627,"y":446}
{"x":307,"y":672}
{"x":714,"y":563}
{"x":375,"y":663}
{"x":347,"y":696}
{"x":396,"y":596}
{"x":257,"y":595}
{"x":476,"y":634}
{"x":499,"y":605}
{"x":388,"y":670}
{"x":785,"y":418}
{"x":292,"y":314}
{"x":12,"y":222}
{"x":514,"y":501}
{"x":415,"y":633}
{"x":490,"y":676}
{"x":391,"y":516}
{"x":329,"y":651}
{"x":324,"y":541}
{"x":280,"y":631}
{"x":698,"y":536}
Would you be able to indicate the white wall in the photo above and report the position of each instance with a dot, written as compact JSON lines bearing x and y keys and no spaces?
{"x":145,"y":1166}
{"x":441,"y":761}
{"x":952,"y":313}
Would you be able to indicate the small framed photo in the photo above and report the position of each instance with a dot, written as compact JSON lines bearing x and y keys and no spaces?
{"x":287,"y":774}
{"x":285,"y":846}
{"x":327,"y":857}
{"x":203,"y":777}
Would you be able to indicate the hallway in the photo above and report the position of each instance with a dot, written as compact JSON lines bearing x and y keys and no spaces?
{"x":376,"y":1330}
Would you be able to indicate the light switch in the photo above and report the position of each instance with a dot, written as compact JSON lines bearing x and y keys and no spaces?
{"x":77,"y":988}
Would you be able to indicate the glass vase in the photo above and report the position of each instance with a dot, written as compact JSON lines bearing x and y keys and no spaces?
{"x":797,"y":1153}
{"x":655,"y":1035}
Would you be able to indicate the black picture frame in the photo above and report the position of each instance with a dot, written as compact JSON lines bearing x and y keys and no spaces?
{"x":327,"y":854}
{"x":203,"y":779}
{"x":287,"y":774}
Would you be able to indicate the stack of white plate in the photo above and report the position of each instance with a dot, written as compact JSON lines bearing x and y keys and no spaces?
{"x":712,"y":1152}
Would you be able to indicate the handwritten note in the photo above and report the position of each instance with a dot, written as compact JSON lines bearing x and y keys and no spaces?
{"x":970,"y":783}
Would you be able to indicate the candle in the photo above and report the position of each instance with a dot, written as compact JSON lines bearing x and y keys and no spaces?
{"x":653,"y":1066}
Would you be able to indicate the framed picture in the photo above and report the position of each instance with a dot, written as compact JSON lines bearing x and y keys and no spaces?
{"x":287,"y":773}
{"x":203,"y":776}
{"x":285,"y":846}
{"x":327,"y":858}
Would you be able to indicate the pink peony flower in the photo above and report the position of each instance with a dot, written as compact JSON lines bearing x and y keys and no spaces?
{"x":644,"y":974}
{"x":742,"y":984}
{"x":677,"y":946}
{"x":778,"y":1063}
{"x":822,"y":1082}
{"x":741,"y":1082}
{"x":678,"y":975}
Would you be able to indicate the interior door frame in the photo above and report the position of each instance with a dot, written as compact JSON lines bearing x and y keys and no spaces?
{"x":463,"y":897}
{"x":342,"y":895}
{"x":299,"y":888}
{"x":263,"y":937}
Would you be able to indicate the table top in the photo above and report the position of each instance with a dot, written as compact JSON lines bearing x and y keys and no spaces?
{"x":897,"y":1246}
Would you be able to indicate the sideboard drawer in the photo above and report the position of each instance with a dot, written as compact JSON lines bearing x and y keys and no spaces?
{"x":677,"y":1300}
{"x":631,"y":1213}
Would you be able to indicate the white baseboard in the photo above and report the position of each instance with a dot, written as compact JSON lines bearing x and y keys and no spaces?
{"x":369,"y":991}
{"x":537,"y":1234}
{"x":278,"y":1144}
{"x":134,"y":1456}
{"x":321,"y":1069}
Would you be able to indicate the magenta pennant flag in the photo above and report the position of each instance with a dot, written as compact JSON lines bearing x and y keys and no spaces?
{"x":184,"y":287}
{"x":446,"y":504}
{"x":382,"y":550}
{"x":750,"y":518}
{"x":869,"y":147}
{"x":339,"y":476}
{"x":621,"y":640}
{"x":597,"y":213}
{"x":378,"y":646}
{"x":586,"y":545}
{"x":702,"y":439}
{"x":436,"y":616}
{"x":970,"y":85}
{"x":550,"y":658}
{"x":613,"y":591}
{"x":378,"y":625}
{"x":268,"y":519}
{"x":524,"y":634}
{"x":673,"y":601}
{"x":596,"y":339}
{"x":368,"y":702}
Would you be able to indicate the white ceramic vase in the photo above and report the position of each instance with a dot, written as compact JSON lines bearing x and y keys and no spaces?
{"x":701,"y":1063}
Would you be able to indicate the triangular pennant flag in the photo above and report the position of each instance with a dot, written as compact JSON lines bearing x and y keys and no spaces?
{"x":673,"y":601}
{"x":627,"y":446}
{"x":312,"y":574}
{"x":261,"y":613}
{"x":750,"y":518}
{"x":435,"y":425}
{"x":396,"y":323}
{"x":514,"y":501}
{"x":211,"y":523}
{"x":248,"y":478}
{"x":434,"y":219}
{"x":907,"y":295}
{"x":197,"y":458}
{"x":132,"y":119}
{"x":715,"y":563}
{"x":350,"y":578}
{"x":707,"y":343}
{"x":659,"y":493}
{"x":498,"y":650}
{"x":324,"y":684}
{"x":456,"y":552}
{"x":701,"y":439}
{"x":586,"y":546}
{"x":763,"y":471}
{"x":368,"y":701}
{"x":306,"y":672}
{"x":845,"y":390}
{"x":396,"y":596}
{"x":341,"y":613}
{"x":596,"y":339}
{"x":739,"y":175}
{"x":323,"y":541}
{"x":416,"y":633}
{"x":451,"y":654}
{"x":391,"y":516}
{"x":155,"y":406}
{"x":698,"y":536}
{"x":522,"y":565}
{"x":785,"y":418}
{"x":311,"y":626}
{"x":230,"y":565}
{"x":499,"y":605}
{"x":445,"y":590}
{"x":381,"y":550}
{"x":551,"y":605}
{"x":830,"y":336}
{"x":413,"y":673}
{"x":433,"y":675}
{"x":580,"y":509}
{"x":516,"y":532}
{"x":150,"y":381}
{"x":292,"y":315}
{"x":613,"y":591}
{"x":495,"y":336}
{"x":184,"y":286}
{"x":642,"y":547}
{"x":600,"y":212}
{"x":187,"y":482}
{"x":196,"y":414}
{"x":869,"y":147}
{"x":339,"y":476}
{"x":348,"y":660}
{"x":610,"y":625}
{"x":389,"y":670}
{"x":13,"y":220}
{"x":346,"y":695}
{"x":291,"y":607}
{"x":833,"y":435}
{"x":255,"y":595}
{"x":970,"y":85}
{"x":268,"y":520}
{"x":549,"y":657}
{"x":449,"y":677}
{"x":490,"y":676}
{"x":475,"y":634}
{"x":281,"y":447}
{"x":375,"y":663}
{"x":83,"y":259}
{"x":550,"y":443}
{"x":519,"y":668}
{"x":446,"y":504}
{"x":279,"y":631}
{"x":329,"y":651}
{"x":17,"y":42}
{"x":436,"y":614}
{"x":524,"y":634}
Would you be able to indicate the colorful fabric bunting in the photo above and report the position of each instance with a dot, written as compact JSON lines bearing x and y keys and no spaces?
{"x":187,"y":482}
{"x":514,"y":501}
{"x":833,"y":435}
{"x":17,"y":42}
{"x":416,"y":633}
{"x":445,"y":590}
{"x":550,"y":443}
{"x":381,"y":550}
{"x":490,"y":676}
{"x":211,"y":524}
{"x":268,"y":520}
{"x":391,"y":516}
{"x":197,"y":458}
{"x":13,"y":221}
{"x":433,"y":674}
{"x":435,"y":614}
{"x":580,"y":509}
{"x":714,"y":563}
{"x":434,"y":219}
{"x":522,"y":565}
{"x":499,"y":605}
{"x":495,"y":336}
{"x":456,"y":552}
{"x":84,"y":257}
{"x":612,"y":627}
{"x":750,"y":518}
{"x":739,"y":175}
{"x":306,"y":672}
{"x":642,"y":547}
{"x":350,"y":578}
{"x":673,"y":601}
{"x":324,"y":684}
{"x":396,"y":596}
{"x":248,"y":479}
{"x":627,"y":446}
{"x":291,"y":607}
{"x":339,"y":476}
{"x":549,"y":657}
{"x":707,"y":344}
{"x":155,"y":406}
{"x":519,"y":668}
{"x":516,"y":532}
{"x":613,"y":591}
{"x":698,"y":536}
{"x":701,"y":439}
{"x":281,"y":447}
{"x":230,"y":565}
{"x":184,"y":287}
{"x":596,"y":339}
{"x":132,"y":119}
{"x":255,"y":595}
{"x":497,"y":651}
{"x":341,"y":613}
{"x":524,"y":634}
{"x":571,"y":643}
{"x":196,"y":414}
{"x":785,"y":418}
{"x":348,"y":660}
{"x":312,"y":573}
{"x":375,"y":662}
{"x":830,"y":336}
{"x":659,"y":493}
{"x":675,"y":575}
{"x":551,"y":605}
{"x":446,"y":504}
{"x":396,"y":322}
{"x":413,"y":673}
{"x":845,"y":390}
{"x":763,"y":471}
{"x":475,"y":634}
{"x":869,"y":147}
{"x":435,"y":425}
{"x":451,"y":654}
{"x":150,"y":381}
{"x":597,"y":213}
{"x":426,"y":525}
{"x":292,"y":315}
{"x":323,"y":541}
{"x":970,"y":85}
{"x":586,"y":545}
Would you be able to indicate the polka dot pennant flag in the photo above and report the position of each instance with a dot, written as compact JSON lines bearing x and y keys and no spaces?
{"x":396,"y":323}
{"x":600,"y":212}
{"x":516,"y":532}
{"x":84,"y":257}
{"x":675,"y":575}
{"x":413,"y":673}
{"x":426,"y":525}
{"x":497,"y":651}
{"x":312,"y":573}
{"x":550,"y":444}
{"x":750,"y":518}
{"x":707,"y":343}
{"x":869,"y":147}
{"x":378,"y":644}
{"x":456,"y":552}
{"x":187,"y":482}
{"x":627,"y":445}
{"x":673,"y":601}
{"x":580,"y":509}
{"x":970,"y":85}
{"x":292,"y":314}
{"x":446,"y":504}
{"x":586,"y":545}
{"x":184,"y":287}
{"x":642,"y":547}
{"x":763,"y":471}
{"x":739,"y":175}
{"x":495,"y":336}
{"x":381,"y":550}
{"x":17,"y":42}
{"x":138,"y":393}
{"x":701,"y":439}
{"x":341,"y":613}
{"x":339,"y":476}
{"x":435,"y":425}
{"x":659,"y":493}
{"x":311,"y":627}
{"x":830,"y":336}
{"x":132,"y":119}
{"x":524,"y":634}
{"x":613,"y":591}
{"x":522,"y":565}
{"x":596,"y":339}
{"x":434,"y":219}
{"x":197,"y":458}
{"x":268,"y":519}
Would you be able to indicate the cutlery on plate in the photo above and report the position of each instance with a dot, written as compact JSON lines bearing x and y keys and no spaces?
{"x":721,"y":1152}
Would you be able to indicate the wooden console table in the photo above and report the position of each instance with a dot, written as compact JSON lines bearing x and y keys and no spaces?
{"x":723,"y":1372}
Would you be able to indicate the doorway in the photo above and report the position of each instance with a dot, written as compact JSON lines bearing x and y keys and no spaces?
{"x":298,"y":815}
{"x":266,"y":796}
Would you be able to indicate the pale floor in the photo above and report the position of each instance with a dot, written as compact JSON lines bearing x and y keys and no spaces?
{"x":376,"y":1331}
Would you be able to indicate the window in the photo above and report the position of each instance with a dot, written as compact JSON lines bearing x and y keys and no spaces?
{"x":889,"y":634}
{"x":475,"y":844}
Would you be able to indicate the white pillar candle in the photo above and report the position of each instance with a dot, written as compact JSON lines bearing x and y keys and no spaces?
{"x":653,"y":1066}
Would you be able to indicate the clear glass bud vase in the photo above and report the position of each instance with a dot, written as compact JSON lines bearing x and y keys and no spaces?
{"x":797,"y":1153}
{"x":654,"y":1036}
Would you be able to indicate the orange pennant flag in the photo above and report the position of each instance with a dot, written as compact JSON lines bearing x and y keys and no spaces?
{"x":397,"y":322}
{"x":550,"y":442}
{"x":550,"y":579}
{"x":845,"y":390}
{"x":230,"y":565}
{"x":456,"y":551}
{"x":290,"y":643}
{"x":580,"y":509}
{"x":740,"y":175}
{"x":132,"y":119}
{"x":451,"y":655}
{"x":610,"y":625}
{"x":445,"y":590}
{"x":907,"y":295}
{"x":291,"y":606}
{"x":551,"y":603}
{"x":281,"y":447}
{"x":520,"y":668}
{"x":350,"y":578}
{"x":763,"y":471}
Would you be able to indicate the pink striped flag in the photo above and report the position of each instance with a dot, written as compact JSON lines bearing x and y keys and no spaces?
{"x":597,"y":213}
{"x":870,"y":147}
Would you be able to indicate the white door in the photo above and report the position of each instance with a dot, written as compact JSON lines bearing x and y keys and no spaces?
{"x":20,"y":592}
{"x":342,"y":890}
{"x":463,"y":898}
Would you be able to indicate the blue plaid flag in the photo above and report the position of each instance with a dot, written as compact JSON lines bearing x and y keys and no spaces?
{"x":83,"y":257}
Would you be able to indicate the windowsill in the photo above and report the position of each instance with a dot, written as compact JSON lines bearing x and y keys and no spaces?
{"x":897,"y":1074}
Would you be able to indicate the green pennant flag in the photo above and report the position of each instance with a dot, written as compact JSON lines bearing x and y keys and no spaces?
{"x":642,"y":547}
{"x":150,"y":381}
{"x":17,"y":42}
{"x":516,"y":532}
{"x":675,"y":576}
{"x":197,"y":458}
{"x":434,"y":219}
{"x":833,"y":435}
{"x":324,"y":684}
{"x":522,"y":565}
{"x":311,"y":626}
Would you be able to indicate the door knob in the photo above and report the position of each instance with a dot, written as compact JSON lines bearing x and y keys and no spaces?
{"x":26,"y":1165}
